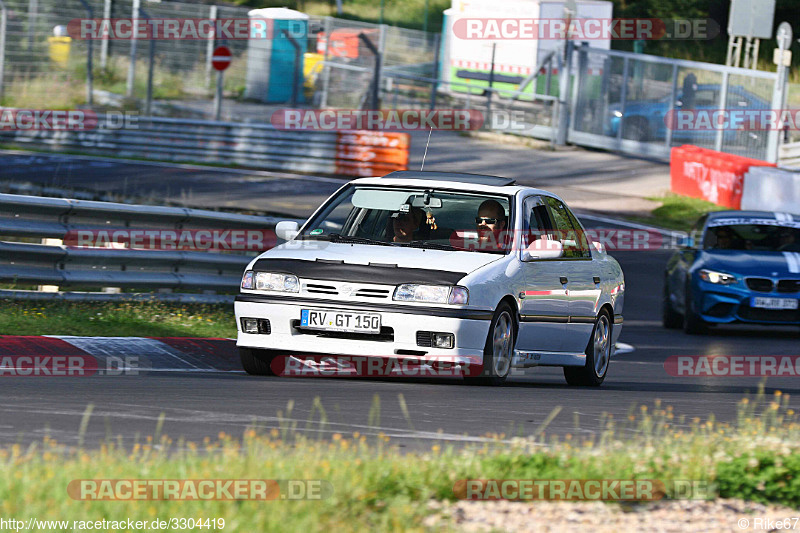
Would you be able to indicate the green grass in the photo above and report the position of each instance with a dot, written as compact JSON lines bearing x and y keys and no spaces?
{"x":677,"y":212}
{"x":141,"y":319}
{"x":378,"y":488}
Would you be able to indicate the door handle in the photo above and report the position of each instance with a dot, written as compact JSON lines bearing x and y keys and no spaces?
{"x":596,"y":279}
{"x":564,"y":280}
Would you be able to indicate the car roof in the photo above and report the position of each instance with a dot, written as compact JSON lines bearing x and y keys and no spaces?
{"x":451,"y":180}
{"x":460,"y":177}
{"x":717,"y":218}
{"x":750,"y":214}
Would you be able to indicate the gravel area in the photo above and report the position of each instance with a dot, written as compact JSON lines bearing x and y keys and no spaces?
{"x":662,"y":517}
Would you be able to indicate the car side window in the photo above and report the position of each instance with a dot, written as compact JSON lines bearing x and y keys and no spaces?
{"x":706,"y":98}
{"x":583,"y":242}
{"x":537,"y":220}
{"x":569,"y":235}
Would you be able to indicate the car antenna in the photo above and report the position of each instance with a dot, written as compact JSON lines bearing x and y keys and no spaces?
{"x":426,"y":149}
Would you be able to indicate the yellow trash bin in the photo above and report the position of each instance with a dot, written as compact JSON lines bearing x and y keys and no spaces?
{"x":59,"y":50}
{"x":312,"y":65}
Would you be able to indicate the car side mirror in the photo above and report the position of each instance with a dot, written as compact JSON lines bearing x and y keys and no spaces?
{"x":600,"y":247}
{"x":287,"y":229}
{"x":685,"y":242}
{"x":542,"y":249}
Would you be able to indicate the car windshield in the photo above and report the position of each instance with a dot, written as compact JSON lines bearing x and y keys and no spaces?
{"x":756,"y":237}
{"x":414,"y":217}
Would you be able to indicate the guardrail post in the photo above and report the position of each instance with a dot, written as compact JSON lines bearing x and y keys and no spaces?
{"x":212,"y":14}
{"x":673,"y":99}
{"x":3,"y":21}
{"x":491,"y":85}
{"x":89,"y":67}
{"x":33,"y":7}
{"x":148,"y":106}
{"x":298,"y":53}
{"x":376,"y":75}
{"x":132,"y":65}
{"x":563,"y":98}
{"x":326,"y":69}
{"x":436,"y":59}
{"x":723,"y":98}
{"x":778,"y":104}
{"x":104,"y":42}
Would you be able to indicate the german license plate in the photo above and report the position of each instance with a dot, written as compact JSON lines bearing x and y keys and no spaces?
{"x":346,"y":321}
{"x":773,"y":303}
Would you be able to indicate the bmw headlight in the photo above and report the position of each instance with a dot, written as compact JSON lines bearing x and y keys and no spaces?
{"x":269,"y":281}
{"x":439,"y":294}
{"x":719,"y":278}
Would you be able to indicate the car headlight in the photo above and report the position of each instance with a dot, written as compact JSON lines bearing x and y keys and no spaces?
{"x":269,"y":281}
{"x":439,"y":294}
{"x":719,"y":278}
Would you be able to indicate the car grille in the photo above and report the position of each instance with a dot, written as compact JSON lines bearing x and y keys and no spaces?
{"x":720,"y":309}
{"x":769,"y":315}
{"x":372,"y":293}
{"x":789,"y":285}
{"x":314,"y":288}
{"x":760,"y":284}
{"x":424,"y":339}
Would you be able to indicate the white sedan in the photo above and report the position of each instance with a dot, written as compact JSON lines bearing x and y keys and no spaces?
{"x":465,"y":269}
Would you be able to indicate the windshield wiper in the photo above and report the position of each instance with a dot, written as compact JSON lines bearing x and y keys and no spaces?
{"x":350,"y":239}
{"x":431,"y":245}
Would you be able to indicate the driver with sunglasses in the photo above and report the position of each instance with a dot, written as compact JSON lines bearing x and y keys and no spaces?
{"x":491,"y":222}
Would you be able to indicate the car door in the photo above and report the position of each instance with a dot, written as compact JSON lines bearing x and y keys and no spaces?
{"x":680,"y":263}
{"x":583,"y":277}
{"x":544,"y":309}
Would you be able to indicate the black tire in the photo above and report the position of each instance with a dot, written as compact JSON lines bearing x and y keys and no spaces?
{"x":256,"y":362}
{"x":669,"y":316}
{"x":504,"y":320}
{"x":592,"y":374}
{"x":636,"y":129}
{"x":692,"y":323}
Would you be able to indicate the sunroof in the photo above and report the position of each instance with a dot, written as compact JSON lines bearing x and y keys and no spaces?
{"x":461,"y":177}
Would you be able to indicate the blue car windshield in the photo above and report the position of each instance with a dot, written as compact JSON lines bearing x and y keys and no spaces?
{"x":753,"y":237}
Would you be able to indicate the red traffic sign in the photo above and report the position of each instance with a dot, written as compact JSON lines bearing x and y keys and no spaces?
{"x":221,"y":59}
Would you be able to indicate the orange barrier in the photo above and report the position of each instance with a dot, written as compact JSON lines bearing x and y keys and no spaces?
{"x":714,"y":176}
{"x":370,"y":153}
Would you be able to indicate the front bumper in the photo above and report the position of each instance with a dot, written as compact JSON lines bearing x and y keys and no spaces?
{"x":399,"y":327}
{"x":726,"y":304}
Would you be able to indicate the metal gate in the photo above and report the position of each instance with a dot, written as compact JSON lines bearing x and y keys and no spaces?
{"x":629,"y":102}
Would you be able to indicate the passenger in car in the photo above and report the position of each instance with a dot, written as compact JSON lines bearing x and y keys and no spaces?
{"x":491,"y":221}
{"x":406,"y":224}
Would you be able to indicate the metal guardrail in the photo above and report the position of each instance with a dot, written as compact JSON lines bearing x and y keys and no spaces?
{"x":83,"y":266}
{"x":228,"y":143}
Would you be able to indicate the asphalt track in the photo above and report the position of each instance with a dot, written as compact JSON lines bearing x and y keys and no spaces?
{"x":204,"y":403}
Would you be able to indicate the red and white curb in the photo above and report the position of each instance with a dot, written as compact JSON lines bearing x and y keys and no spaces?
{"x":117,"y":355}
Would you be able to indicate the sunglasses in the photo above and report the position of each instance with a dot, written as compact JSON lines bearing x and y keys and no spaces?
{"x":485,"y":220}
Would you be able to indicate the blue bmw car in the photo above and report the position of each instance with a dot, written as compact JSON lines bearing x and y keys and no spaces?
{"x":645,"y":121}
{"x":737,"y":267}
